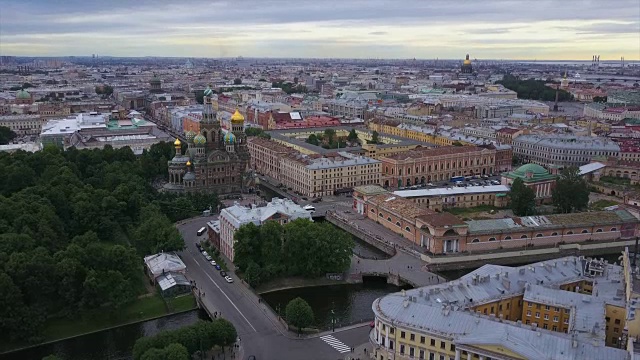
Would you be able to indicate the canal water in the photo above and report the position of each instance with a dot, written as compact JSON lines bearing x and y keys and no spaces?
{"x":114,"y":344}
{"x":347,"y":304}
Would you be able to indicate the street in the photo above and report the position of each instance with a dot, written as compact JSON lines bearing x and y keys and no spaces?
{"x":259,"y":331}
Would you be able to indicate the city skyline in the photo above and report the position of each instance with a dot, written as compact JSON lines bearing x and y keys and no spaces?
{"x":498,"y":29}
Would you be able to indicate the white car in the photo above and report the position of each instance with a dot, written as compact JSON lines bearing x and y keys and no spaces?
{"x":204,"y":253}
{"x":209,"y":258}
{"x":228,"y":278}
{"x":213,"y":263}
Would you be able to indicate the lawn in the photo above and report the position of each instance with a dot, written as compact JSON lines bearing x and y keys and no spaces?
{"x":94,"y":320}
{"x":471,"y":211}
{"x":601,"y":204}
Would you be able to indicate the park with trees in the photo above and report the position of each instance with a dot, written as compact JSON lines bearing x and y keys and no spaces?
{"x":571,"y":193}
{"x":533,"y":89}
{"x":74,"y":226}
{"x":300,"y":248}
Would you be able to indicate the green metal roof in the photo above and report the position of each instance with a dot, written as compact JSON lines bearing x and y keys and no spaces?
{"x":530,"y":173}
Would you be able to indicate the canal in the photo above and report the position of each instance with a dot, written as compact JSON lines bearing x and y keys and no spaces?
{"x":109,"y":344}
{"x":347,"y":304}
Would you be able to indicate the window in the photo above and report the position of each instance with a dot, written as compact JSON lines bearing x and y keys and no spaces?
{"x":616,"y":330}
{"x":545,"y":326}
{"x":507,"y":237}
{"x":411,"y":351}
{"x":554,"y":234}
{"x":546,"y":316}
{"x":554,"y":328}
{"x":398,"y":223}
{"x":401,"y":349}
{"x":529,"y":304}
{"x":547,"y":307}
{"x":389,"y":219}
{"x":412,"y":337}
{"x":617,"y":322}
{"x":569,"y":232}
{"x":537,"y":315}
{"x":528,"y":312}
{"x":373,"y":211}
{"x":422,"y":339}
{"x":613,"y":229}
{"x":475,"y":240}
{"x":599,"y":230}
{"x":566,"y":321}
{"x":407,"y":229}
{"x":523,"y":237}
{"x":443,"y":345}
{"x":433,"y":342}
{"x":381,"y":215}
{"x":492,"y":239}
{"x":402,"y":334}
{"x":421,"y":354}
{"x":585,"y":231}
{"x":555,"y":319}
{"x":452,"y":347}
{"x":557,"y":309}
{"x":538,"y":235}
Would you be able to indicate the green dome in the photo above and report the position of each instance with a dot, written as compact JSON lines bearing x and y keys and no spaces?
{"x":535,"y":169}
{"x":190,"y":135}
{"x":199,"y":139}
{"x":22,"y":94}
{"x":229,"y":138}
{"x":208,"y":91}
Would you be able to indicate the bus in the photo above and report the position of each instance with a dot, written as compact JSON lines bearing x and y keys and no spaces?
{"x":202,"y":230}
{"x":310,"y":208}
{"x":455,"y":179}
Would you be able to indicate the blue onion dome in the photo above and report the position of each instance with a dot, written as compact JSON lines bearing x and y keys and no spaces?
{"x":229,"y":138}
{"x":199,"y":139}
{"x":190,"y":135}
{"x":208,"y":91}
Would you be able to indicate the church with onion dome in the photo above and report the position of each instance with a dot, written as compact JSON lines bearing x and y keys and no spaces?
{"x":466,"y":66}
{"x":215,"y":160}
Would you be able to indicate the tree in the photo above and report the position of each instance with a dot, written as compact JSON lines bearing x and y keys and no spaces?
{"x":313,"y":139}
{"x":571,"y":192}
{"x":353,"y":136}
{"x":6,"y":135}
{"x":252,"y":274}
{"x":523,"y":199}
{"x":237,"y":81}
{"x":600,"y":99}
{"x":375,"y":138}
{"x":456,"y":143}
{"x":299,"y":314}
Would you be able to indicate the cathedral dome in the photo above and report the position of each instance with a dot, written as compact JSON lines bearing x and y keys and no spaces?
{"x":188,"y":163}
{"x":22,"y":94}
{"x":199,"y":139}
{"x":190,"y":135}
{"x":237,"y":117}
{"x":229,"y":138}
{"x":177,"y":143}
{"x":467,"y":62}
{"x":208,"y":91}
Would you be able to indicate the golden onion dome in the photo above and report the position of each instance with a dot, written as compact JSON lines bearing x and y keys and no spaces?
{"x":177,"y":143}
{"x":188,"y":163}
{"x":467,"y":62}
{"x":237,"y":117}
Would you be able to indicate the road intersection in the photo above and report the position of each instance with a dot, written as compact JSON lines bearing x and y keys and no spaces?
{"x":261,"y":333}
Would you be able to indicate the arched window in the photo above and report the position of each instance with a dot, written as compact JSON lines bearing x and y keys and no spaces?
{"x":389,"y":219}
{"x":523,"y":237}
{"x":507,"y":237}
{"x":398,"y":223}
{"x":614,"y":229}
{"x":539,"y":235}
{"x":492,"y":239}
{"x":569,"y":232}
{"x":475,"y":240}
{"x":599,"y":230}
{"x":381,"y":214}
{"x":585,"y":231}
{"x":372,"y":210}
{"x":407,"y":229}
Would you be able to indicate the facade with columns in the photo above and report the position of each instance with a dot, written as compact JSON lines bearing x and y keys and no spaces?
{"x":496,"y":313}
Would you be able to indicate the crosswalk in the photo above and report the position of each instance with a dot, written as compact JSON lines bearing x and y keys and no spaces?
{"x":336,"y":344}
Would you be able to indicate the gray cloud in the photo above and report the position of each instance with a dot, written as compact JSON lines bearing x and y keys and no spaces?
{"x":51,"y":21}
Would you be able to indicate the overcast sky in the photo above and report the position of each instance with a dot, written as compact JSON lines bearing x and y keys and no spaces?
{"x":424,"y":29}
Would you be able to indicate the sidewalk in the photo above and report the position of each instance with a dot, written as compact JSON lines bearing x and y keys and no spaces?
{"x":361,"y":352}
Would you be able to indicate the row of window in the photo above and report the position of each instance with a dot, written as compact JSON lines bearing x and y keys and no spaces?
{"x":570,"y":232}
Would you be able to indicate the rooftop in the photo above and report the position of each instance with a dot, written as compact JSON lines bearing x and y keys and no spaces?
{"x":567,"y":142}
{"x":446,"y":309}
{"x":239,"y":215}
{"x":428,"y":152}
{"x":452,"y":191}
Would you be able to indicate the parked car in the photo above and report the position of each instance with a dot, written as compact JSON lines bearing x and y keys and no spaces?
{"x":209,"y":258}
{"x":218,"y":267}
{"x":223,"y":274}
{"x":204,"y":253}
{"x":213,"y":263}
{"x":228,"y":278}
{"x":199,"y":246}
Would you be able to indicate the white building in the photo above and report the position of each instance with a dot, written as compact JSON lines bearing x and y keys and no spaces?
{"x":235,"y":216}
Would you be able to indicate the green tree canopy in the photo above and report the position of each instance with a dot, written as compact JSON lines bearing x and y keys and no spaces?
{"x":237,"y":81}
{"x":353,"y":136}
{"x":313,"y":139}
{"x":6,"y":135}
{"x":299,"y":313}
{"x":533,"y":89}
{"x":571,"y":192}
{"x":299,"y":248}
{"x":523,"y":199}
